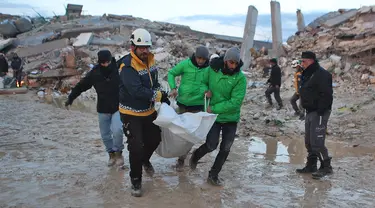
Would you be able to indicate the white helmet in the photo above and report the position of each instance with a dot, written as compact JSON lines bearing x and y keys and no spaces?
{"x":141,"y":37}
{"x":296,"y":63}
{"x":214,"y":56}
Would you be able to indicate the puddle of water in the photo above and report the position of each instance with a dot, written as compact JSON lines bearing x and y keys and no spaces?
{"x":294,"y":151}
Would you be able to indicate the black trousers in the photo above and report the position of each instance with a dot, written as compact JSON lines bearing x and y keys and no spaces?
{"x":276,"y":94}
{"x":315,"y":134}
{"x":293,"y":102}
{"x":212,"y":141}
{"x":143,"y":137}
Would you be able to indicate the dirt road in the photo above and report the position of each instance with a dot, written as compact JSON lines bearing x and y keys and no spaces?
{"x":51,"y":157}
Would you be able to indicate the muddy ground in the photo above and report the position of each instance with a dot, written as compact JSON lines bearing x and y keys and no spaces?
{"x":52,"y":157}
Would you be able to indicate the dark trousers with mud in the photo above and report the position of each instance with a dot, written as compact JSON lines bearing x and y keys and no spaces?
{"x":143,"y":137}
{"x":276,"y":94}
{"x":212,"y":141}
{"x":315,"y":134}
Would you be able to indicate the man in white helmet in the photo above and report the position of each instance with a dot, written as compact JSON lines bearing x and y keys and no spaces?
{"x":139,"y":90}
{"x":299,"y":111}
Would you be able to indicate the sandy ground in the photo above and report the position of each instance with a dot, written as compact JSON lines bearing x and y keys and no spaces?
{"x":52,"y":157}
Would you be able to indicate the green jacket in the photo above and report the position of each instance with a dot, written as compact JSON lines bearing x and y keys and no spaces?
{"x":191,"y":90}
{"x":228,"y":92}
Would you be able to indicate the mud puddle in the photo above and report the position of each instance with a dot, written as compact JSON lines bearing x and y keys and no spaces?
{"x":65,"y":166}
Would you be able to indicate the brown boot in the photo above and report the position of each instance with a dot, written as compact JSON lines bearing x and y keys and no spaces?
{"x":119,"y":158}
{"x":112,"y":159}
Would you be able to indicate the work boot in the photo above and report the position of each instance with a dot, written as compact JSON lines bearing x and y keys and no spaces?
{"x":180,"y":165}
{"x":214,"y":180}
{"x":302,"y":116}
{"x":323,"y":171}
{"x":193,"y":162}
{"x":279,"y":107}
{"x":119,"y":158}
{"x":112,"y":159}
{"x":136,"y":187}
{"x":310,"y":167}
{"x":149,"y":169}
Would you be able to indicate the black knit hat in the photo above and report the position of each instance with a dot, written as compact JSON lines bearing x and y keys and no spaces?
{"x":104,"y":56}
{"x":308,"y":55}
{"x":273,"y":60}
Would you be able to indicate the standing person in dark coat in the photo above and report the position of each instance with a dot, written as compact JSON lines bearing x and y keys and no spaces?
{"x":316,"y":96}
{"x":16,"y":65}
{"x":275,"y":83}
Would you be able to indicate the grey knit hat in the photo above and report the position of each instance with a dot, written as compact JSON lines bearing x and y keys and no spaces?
{"x":232,"y":54}
{"x":202,"y":52}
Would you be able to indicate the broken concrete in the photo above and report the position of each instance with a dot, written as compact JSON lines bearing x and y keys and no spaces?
{"x":42,"y":48}
{"x":106,"y":42}
{"x":340,"y":19}
{"x":248,"y":36}
{"x":83,"y":39}
{"x":6,"y":43}
{"x":76,"y":31}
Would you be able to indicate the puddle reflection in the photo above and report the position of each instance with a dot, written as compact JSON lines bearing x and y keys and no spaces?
{"x":293,"y":150}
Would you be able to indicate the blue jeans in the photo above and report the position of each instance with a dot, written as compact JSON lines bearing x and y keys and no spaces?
{"x":110,"y":126}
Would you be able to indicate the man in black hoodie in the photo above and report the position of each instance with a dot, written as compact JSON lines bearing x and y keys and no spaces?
{"x":105,"y":79}
{"x":316,"y":97}
{"x":275,"y":83}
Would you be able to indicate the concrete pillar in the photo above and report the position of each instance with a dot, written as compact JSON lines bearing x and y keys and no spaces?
{"x":248,"y":36}
{"x":277,"y":38}
{"x":300,"y":21}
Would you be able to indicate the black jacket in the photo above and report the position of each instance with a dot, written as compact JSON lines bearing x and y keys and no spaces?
{"x":139,"y":86}
{"x":275,"y":78}
{"x":3,"y":64}
{"x":16,"y":64}
{"x":106,"y":82}
{"x":316,"y":89}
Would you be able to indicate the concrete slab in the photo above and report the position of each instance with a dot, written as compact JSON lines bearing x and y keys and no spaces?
{"x":83,"y":39}
{"x":68,"y":33}
{"x":66,"y":72}
{"x":10,"y":91}
{"x":100,"y":41}
{"x":42,"y":48}
{"x":6,"y":43}
{"x":340,"y":19}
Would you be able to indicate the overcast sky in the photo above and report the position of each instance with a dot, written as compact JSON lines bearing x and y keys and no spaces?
{"x":185,"y":12}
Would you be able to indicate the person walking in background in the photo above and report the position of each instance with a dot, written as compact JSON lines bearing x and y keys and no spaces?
{"x":274,"y":84}
{"x":16,"y":64}
{"x":298,"y":110}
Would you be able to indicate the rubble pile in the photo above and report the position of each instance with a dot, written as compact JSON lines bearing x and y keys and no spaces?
{"x":58,"y":53}
{"x":344,"y":42}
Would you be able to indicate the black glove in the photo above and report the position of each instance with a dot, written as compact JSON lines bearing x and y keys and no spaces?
{"x":164,"y":98}
{"x":68,"y":102}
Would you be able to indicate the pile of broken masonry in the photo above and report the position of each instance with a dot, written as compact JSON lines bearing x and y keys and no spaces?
{"x":344,"y":42}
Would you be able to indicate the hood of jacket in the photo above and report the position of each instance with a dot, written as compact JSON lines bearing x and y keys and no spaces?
{"x":192,"y":59}
{"x":218,"y":64}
